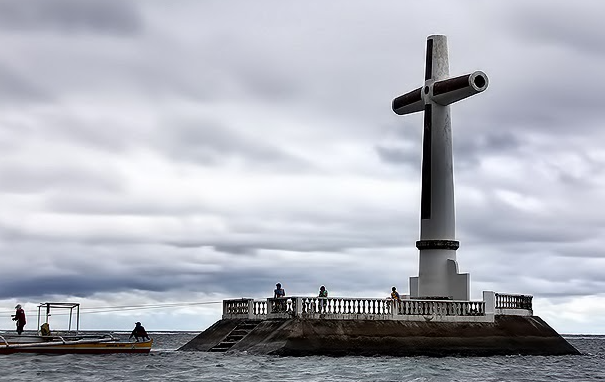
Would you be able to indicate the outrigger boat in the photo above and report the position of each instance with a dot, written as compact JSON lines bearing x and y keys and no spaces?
{"x":70,"y":341}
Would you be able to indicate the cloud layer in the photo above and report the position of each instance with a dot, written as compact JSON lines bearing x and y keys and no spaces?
{"x":156,"y":153}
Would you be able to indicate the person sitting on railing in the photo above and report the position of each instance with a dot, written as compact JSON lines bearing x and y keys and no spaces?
{"x":396,"y":299}
{"x":323,"y":292}
{"x":279,"y":292}
{"x":395,"y":295}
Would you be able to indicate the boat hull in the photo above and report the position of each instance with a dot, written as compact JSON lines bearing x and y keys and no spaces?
{"x":79,"y":348}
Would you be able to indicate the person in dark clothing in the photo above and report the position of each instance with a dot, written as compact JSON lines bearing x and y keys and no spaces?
{"x":395,"y":295}
{"x":279,"y":292}
{"x":139,"y":331}
{"x":20,"y":318}
{"x":323,"y":303}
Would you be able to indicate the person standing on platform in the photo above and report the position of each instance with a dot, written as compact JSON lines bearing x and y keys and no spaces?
{"x":20,"y":318}
{"x":279,"y":292}
{"x":323,"y":303}
{"x":323,"y":292}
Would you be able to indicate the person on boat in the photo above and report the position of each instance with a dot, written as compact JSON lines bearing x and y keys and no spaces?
{"x":20,"y":318}
{"x":139,"y":331}
{"x":45,"y":332}
{"x":45,"y":329}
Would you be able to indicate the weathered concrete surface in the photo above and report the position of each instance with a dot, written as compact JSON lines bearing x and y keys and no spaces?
{"x":301,"y":337}
{"x":211,"y":336}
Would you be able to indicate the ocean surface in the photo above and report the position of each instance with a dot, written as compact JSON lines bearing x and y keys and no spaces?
{"x":164,"y":363}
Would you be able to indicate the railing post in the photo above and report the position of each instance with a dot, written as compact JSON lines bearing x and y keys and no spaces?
{"x":251,"y":312}
{"x":298,"y":311}
{"x":489,"y":297}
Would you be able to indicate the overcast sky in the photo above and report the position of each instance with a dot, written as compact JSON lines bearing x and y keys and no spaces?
{"x":158,"y":152}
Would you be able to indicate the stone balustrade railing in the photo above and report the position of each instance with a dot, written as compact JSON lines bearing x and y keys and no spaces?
{"x":380,"y":309}
{"x":513,"y":304}
{"x":441,"y":308}
{"x":345,"y":306}
{"x":513,"y":301}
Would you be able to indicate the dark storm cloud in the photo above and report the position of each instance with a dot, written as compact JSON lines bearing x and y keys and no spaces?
{"x":69,"y":16}
{"x":16,"y":87}
{"x":136,"y":268}
{"x":471,"y":149}
{"x":577,"y":29}
{"x":397,"y":155}
{"x":402,"y":145}
{"x":550,"y":82}
{"x":85,"y":285}
{"x":210,"y":142}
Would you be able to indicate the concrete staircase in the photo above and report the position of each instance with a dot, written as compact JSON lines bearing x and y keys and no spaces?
{"x":235,"y":336}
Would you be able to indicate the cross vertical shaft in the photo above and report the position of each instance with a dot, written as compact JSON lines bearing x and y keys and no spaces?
{"x":438,"y":275}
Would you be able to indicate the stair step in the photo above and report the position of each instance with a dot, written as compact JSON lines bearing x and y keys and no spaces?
{"x":224,"y":345}
{"x":236,"y":335}
{"x":218,"y":350}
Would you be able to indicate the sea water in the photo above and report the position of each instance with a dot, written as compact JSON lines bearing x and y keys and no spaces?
{"x":165,"y":363}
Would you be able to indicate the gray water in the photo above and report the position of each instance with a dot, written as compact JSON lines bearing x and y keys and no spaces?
{"x":164,"y":363}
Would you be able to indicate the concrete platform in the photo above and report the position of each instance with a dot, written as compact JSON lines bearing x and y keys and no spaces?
{"x":507,"y":335}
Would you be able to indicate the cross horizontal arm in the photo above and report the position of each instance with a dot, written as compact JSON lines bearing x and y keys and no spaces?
{"x":455,"y":89}
{"x":409,"y":103}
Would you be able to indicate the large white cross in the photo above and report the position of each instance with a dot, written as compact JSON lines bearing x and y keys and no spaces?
{"x":438,"y":275}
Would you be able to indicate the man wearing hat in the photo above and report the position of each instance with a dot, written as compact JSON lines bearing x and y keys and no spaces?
{"x":20,"y":318}
{"x":139,"y":331}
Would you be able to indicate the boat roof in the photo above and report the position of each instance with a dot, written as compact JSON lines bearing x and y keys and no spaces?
{"x":69,"y":305}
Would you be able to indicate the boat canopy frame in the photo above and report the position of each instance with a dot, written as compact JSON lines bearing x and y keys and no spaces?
{"x":44,"y":310}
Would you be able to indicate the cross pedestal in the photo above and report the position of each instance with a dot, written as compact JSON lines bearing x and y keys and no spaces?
{"x":438,"y":275}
